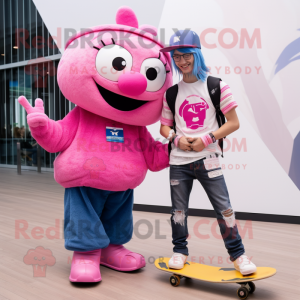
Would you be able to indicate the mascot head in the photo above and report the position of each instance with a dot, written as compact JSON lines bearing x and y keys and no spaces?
{"x":117,"y":71}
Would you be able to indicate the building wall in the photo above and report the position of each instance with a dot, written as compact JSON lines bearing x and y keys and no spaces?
{"x":261,"y":162}
{"x":28,"y":62}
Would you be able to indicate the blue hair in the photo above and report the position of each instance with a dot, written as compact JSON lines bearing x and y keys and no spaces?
{"x":200,"y":69}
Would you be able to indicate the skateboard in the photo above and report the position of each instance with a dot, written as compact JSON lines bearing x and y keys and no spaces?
{"x":215,"y":274}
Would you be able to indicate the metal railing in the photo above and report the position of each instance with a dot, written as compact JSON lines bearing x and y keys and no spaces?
{"x":38,"y":157}
{"x":19,"y":157}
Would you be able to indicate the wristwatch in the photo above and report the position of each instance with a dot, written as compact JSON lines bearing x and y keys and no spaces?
{"x":212,"y":137}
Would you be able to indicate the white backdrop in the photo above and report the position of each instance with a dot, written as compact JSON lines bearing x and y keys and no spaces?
{"x":260,"y":164}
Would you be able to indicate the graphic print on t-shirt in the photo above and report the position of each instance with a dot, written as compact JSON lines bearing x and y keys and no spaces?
{"x":193,"y":114}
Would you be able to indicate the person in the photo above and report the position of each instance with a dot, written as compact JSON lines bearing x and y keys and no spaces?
{"x":27,"y":147}
{"x":195,"y":153}
{"x":16,"y":132}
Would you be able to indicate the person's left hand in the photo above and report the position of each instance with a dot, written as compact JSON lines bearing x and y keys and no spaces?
{"x":197,"y":145}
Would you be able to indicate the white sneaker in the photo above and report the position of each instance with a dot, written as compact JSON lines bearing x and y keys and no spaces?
{"x":177,"y":261}
{"x":244,"y":265}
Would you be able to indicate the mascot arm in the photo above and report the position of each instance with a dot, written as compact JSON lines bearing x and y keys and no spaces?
{"x":51,"y":135}
{"x":155,"y":153}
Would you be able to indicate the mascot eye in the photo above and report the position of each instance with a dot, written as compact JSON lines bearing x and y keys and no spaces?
{"x":112,"y":61}
{"x":154,"y":71}
{"x":119,"y":63}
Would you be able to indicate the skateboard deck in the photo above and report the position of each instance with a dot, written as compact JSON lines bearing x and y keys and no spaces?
{"x":215,"y":274}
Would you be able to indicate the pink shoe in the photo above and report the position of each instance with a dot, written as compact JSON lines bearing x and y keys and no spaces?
{"x":85,"y":266}
{"x":119,"y":258}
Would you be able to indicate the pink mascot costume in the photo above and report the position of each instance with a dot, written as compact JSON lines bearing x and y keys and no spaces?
{"x":116,"y":76}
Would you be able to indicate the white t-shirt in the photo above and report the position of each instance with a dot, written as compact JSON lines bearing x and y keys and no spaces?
{"x":195,"y":116}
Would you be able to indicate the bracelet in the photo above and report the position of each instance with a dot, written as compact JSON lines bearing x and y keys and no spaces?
{"x":176,"y":140}
{"x":173,"y":141}
{"x":206,"y":139}
{"x":170,"y":134}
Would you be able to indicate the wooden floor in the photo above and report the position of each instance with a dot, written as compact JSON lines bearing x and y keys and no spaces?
{"x":38,"y":200}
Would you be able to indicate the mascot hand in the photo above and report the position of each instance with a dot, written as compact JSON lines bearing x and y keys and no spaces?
{"x":36,"y":116}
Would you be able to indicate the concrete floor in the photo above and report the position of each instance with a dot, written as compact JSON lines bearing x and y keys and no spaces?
{"x":34,"y":199}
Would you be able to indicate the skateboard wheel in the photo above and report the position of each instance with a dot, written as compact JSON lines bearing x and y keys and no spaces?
{"x":252,"y":287}
{"x":243,"y":293}
{"x":175,"y":280}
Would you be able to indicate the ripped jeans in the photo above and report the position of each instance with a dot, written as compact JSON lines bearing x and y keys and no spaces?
{"x":213,"y":182}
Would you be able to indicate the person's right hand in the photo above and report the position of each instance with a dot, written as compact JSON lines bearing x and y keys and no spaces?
{"x":35,"y":115}
{"x":185,"y":143}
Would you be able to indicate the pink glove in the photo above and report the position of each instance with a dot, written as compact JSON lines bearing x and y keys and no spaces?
{"x":35,"y":115}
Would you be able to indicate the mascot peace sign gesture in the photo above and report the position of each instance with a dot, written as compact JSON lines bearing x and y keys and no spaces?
{"x":36,"y":116}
